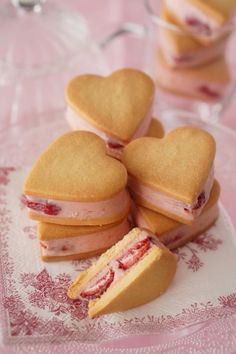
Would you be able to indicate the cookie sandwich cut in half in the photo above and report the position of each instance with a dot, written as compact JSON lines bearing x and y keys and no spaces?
{"x":133,"y":272}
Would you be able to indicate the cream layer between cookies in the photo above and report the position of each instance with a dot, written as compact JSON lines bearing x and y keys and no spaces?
{"x":182,"y":233}
{"x":188,"y":58}
{"x":201,"y":25}
{"x":171,"y":205}
{"x":114,"y":145}
{"x":86,"y":243}
{"x":79,"y":210}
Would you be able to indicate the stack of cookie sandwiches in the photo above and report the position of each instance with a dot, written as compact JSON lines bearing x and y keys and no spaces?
{"x":81,"y":189}
{"x":193,"y":38}
{"x":78,"y":196}
{"x":76,"y":190}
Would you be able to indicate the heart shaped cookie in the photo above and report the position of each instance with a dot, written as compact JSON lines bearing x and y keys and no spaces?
{"x":117,"y":107}
{"x":173,"y":175}
{"x":74,"y":182}
{"x":156,"y":129}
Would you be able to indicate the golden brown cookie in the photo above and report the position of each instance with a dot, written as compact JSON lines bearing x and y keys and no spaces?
{"x":156,"y":129}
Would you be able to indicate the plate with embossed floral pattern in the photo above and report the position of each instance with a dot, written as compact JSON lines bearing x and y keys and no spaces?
{"x":198,"y":312}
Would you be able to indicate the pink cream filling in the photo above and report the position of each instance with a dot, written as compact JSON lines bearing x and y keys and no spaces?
{"x":191,"y":58}
{"x":80,"y":210}
{"x":114,"y":145}
{"x":84,"y":243}
{"x":199,"y":23}
{"x":116,"y":268}
{"x":172,"y":205}
{"x":188,"y":85}
{"x":182,"y":233}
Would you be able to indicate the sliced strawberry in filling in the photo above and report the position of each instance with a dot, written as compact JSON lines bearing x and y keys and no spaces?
{"x":209,"y":92}
{"x":200,"y":201}
{"x":42,"y":244}
{"x":198,"y":25}
{"x":133,"y":254}
{"x":46,"y":208}
{"x":114,"y":145}
{"x":100,"y":286}
{"x":182,"y":59}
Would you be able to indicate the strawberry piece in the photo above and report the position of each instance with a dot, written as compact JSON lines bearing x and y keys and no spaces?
{"x":182,"y":59}
{"x":99,"y":287}
{"x":208,"y":92}
{"x":114,"y":145}
{"x":46,"y":208}
{"x":43,"y":245}
{"x":134,"y":254}
{"x":64,"y":248}
{"x":201,"y":27}
{"x":200,"y":201}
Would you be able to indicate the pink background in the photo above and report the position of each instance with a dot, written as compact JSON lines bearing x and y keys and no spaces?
{"x":103,"y":17}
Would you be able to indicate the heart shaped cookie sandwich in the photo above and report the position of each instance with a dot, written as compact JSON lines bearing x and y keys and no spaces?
{"x":117,"y":108}
{"x":181,"y":50}
{"x":174,"y":234}
{"x":206,"y":21}
{"x":133,"y":272}
{"x":74,"y":182}
{"x":173,"y":175}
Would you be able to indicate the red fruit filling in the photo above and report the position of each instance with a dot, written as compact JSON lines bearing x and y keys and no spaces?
{"x":114,"y":145}
{"x":207,"y":91}
{"x":182,"y":59}
{"x":200,"y":201}
{"x":133,"y":254}
{"x":64,"y":248}
{"x":46,"y":208}
{"x":201,"y":27}
{"x":99,"y":287}
{"x":43,"y":245}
